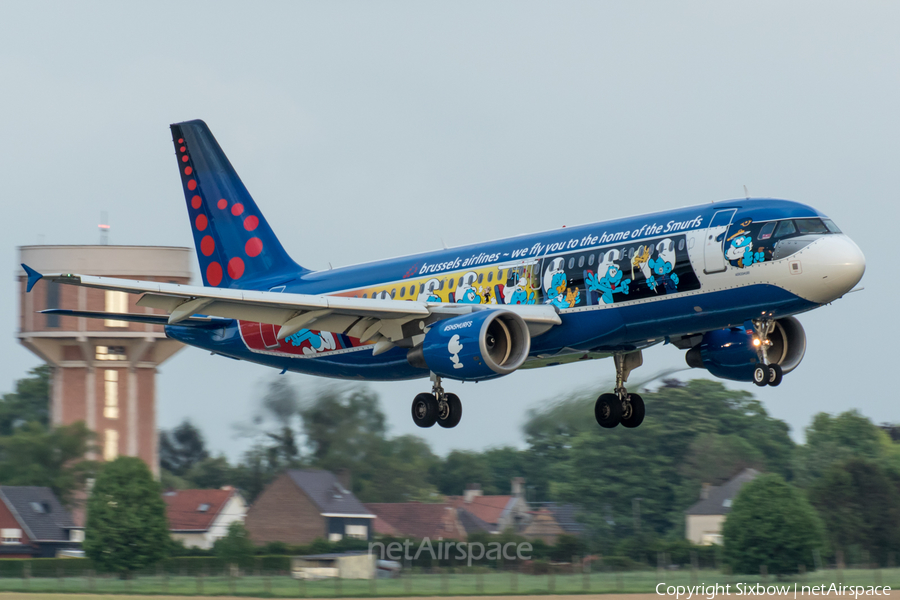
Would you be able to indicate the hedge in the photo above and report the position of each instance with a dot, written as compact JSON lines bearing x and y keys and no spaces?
{"x":180,"y":565}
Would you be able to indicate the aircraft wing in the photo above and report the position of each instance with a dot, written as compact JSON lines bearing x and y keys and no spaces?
{"x":368,"y":319}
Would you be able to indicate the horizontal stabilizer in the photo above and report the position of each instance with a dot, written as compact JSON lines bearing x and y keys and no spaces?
{"x":33,"y":277}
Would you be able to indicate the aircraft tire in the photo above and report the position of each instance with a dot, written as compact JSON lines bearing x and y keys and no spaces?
{"x":633,"y":415}
{"x":775,"y":375}
{"x":454,"y":412}
{"x":424,"y":410}
{"x":608,"y":410}
{"x":761,"y":375}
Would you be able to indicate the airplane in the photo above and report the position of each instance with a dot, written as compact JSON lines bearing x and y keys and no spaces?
{"x":721,"y":281}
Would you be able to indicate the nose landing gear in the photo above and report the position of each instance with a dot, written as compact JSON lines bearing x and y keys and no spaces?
{"x":437,"y":407}
{"x":764,"y":373}
{"x":621,"y":407}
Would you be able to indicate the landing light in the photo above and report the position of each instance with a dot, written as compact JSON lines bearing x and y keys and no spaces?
{"x":756,"y":342}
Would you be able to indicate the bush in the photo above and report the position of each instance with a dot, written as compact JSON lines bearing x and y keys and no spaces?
{"x":771,"y":524}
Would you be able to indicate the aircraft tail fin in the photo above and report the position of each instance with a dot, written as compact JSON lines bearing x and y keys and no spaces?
{"x":235,"y":245}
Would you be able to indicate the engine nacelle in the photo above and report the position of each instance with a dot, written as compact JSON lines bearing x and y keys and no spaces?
{"x":730,"y":353}
{"x":480,"y":345}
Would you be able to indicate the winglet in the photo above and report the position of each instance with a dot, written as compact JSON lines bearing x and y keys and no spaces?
{"x":33,"y":277}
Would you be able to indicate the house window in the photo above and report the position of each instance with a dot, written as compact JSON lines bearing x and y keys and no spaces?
{"x":76,"y":535}
{"x":110,"y":353}
{"x":116,"y":302}
{"x":11,"y":536}
{"x":359,"y":532}
{"x":203,"y":507}
{"x":334,"y":537}
{"x":111,"y":393}
{"x":110,"y":444}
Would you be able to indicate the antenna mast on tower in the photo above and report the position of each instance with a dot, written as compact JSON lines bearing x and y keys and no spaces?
{"x":104,"y":229}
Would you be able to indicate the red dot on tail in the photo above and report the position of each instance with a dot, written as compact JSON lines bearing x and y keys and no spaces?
{"x":237,"y":209}
{"x":251,"y":223}
{"x":188,"y":170}
{"x":182,"y":148}
{"x":196,"y":201}
{"x":222,"y":203}
{"x":253,"y":247}
{"x":192,"y":185}
{"x":214,"y":274}
{"x":180,"y":140}
{"x":207,"y":245}
{"x":184,"y":158}
{"x":201,"y":222}
{"x":235,"y":268}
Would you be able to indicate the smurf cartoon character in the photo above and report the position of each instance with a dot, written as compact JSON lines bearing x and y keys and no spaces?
{"x":661,"y":268}
{"x":612,"y":281}
{"x":319,"y":341}
{"x":518,"y":294}
{"x":740,"y":250}
{"x":556,"y":286}
{"x":454,"y":348}
{"x":465,"y":292}
{"x":429,"y":291}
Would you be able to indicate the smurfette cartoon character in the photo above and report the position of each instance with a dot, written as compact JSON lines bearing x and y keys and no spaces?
{"x":556,"y":286}
{"x":740,"y":250}
{"x":611,"y":282}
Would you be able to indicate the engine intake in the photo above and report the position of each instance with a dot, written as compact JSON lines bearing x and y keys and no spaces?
{"x":730,"y":353}
{"x":480,"y":345}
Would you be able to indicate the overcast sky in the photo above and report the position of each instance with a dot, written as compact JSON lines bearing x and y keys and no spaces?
{"x":366,"y":130}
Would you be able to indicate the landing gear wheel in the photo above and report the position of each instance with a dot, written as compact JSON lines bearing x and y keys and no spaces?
{"x":425,"y":410}
{"x":608,"y":410}
{"x":761,"y":375}
{"x":632,"y":411}
{"x":775,"y":375}
{"x":449,"y":412}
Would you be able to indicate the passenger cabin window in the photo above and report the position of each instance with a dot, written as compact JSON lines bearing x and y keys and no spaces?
{"x":591,"y":260}
{"x":480,"y":277}
{"x":805,"y":226}
{"x":785,"y":228}
{"x":403,"y":292}
{"x":490,"y":276}
{"x":581,"y":261}
{"x":572,"y":262}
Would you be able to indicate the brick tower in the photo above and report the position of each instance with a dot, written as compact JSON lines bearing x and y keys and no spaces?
{"x":104,"y":371}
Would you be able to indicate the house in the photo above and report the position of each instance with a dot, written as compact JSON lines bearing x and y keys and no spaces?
{"x":549,"y":520}
{"x":302,"y":505}
{"x":499,"y":513}
{"x":417,"y":520}
{"x":703,"y":520}
{"x":33,"y":524}
{"x":200,"y":517}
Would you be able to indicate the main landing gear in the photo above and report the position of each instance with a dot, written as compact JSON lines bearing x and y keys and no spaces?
{"x":437,"y":407}
{"x":621,"y":407}
{"x":765,"y":373}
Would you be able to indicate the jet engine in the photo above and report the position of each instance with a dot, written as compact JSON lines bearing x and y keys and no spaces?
{"x":731,"y":354}
{"x":480,"y":345}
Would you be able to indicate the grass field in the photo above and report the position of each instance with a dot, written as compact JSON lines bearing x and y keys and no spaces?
{"x":492,"y":583}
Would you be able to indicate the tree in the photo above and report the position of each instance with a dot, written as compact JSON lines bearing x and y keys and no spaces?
{"x":35,"y":455}
{"x":460,"y":468}
{"x":771,"y":523}
{"x":181,"y":448}
{"x":30,"y":403}
{"x":126,"y":525}
{"x":831,"y":439}
{"x":211,"y":473}
{"x":339,"y":422}
{"x":235,"y":548}
{"x":861,"y":505}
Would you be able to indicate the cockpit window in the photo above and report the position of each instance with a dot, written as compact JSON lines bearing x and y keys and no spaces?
{"x":831,"y":226}
{"x":810,"y":226}
{"x":785,"y":228}
{"x":766,"y":232}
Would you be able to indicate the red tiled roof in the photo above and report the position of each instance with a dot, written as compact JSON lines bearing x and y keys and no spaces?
{"x":418,"y":520}
{"x":486,"y":508}
{"x":183,"y":508}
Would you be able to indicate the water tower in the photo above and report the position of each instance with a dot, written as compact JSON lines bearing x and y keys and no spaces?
{"x":103,"y":371}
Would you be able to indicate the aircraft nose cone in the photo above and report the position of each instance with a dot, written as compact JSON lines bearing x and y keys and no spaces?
{"x":835,"y":264}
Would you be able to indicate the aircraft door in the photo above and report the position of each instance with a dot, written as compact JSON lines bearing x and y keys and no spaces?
{"x":714,"y":243}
